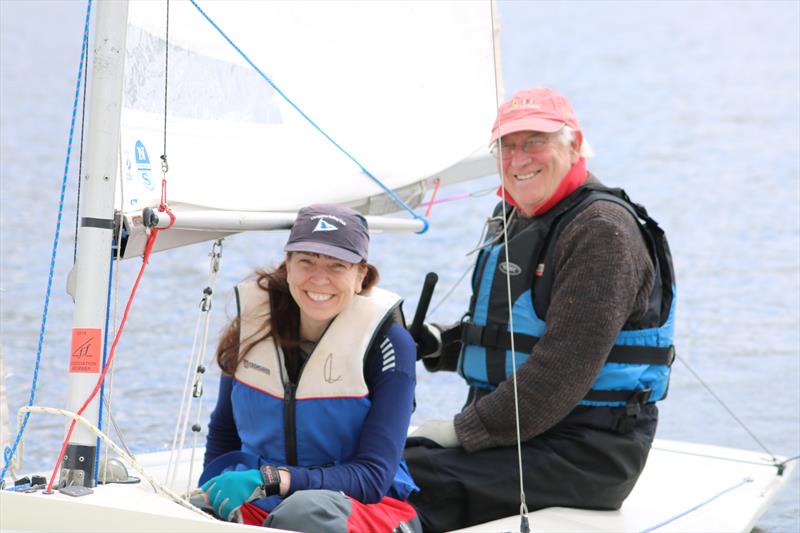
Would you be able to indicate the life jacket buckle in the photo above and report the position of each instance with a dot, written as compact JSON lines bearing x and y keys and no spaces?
{"x":633,"y":407}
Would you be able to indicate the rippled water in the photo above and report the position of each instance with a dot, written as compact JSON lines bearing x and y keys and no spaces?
{"x":692,"y":107}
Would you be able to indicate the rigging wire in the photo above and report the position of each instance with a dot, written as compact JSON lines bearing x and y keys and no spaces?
{"x":8,"y":453}
{"x":166,"y":82}
{"x":80,"y":153}
{"x":479,"y":246}
{"x":728,"y":409}
{"x":393,"y":195}
{"x":523,"y":508}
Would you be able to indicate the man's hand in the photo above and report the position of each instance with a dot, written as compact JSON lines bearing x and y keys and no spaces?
{"x":440,"y":432}
{"x":430,"y":343}
{"x":229,"y":491}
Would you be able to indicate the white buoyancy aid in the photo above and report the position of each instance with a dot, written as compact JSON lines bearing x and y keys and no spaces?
{"x":318,"y":420}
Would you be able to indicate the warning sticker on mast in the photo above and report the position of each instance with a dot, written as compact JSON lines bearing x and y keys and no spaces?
{"x":84,"y":357}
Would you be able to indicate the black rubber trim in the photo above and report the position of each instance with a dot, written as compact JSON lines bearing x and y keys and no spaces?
{"x":101,"y":223}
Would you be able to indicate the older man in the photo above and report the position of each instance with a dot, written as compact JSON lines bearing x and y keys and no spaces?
{"x":592,"y":300}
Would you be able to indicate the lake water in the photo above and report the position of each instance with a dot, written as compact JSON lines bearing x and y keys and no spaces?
{"x":692,"y":107}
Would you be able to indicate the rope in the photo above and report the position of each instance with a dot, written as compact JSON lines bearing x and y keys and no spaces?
{"x":196,"y":362}
{"x":456,"y":197}
{"x":105,"y":354}
{"x":112,"y":311}
{"x":433,"y":197}
{"x":8,"y":455}
{"x":197,"y":391}
{"x":523,"y":508}
{"x":147,"y":250}
{"x":698,"y":506}
{"x":77,"y":418}
{"x":244,"y":56}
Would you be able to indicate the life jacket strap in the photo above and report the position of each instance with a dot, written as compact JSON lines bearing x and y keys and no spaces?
{"x":633,"y":399}
{"x":496,"y":336}
{"x":642,"y":355}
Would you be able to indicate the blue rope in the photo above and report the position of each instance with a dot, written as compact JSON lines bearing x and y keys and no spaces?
{"x":105,"y":354}
{"x":8,"y":454}
{"x":388,"y":191}
{"x":696,"y":507}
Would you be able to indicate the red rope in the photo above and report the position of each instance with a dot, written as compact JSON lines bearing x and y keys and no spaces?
{"x":145,"y":258}
{"x":433,"y":197}
{"x":164,"y":207}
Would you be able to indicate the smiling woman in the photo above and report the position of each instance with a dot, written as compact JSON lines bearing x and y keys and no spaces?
{"x":315,"y":329}
{"x":322,"y":286}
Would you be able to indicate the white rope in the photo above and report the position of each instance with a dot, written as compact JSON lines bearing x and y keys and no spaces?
{"x":183,"y":413}
{"x":523,"y":509}
{"x":122,"y":454}
{"x":216,"y":256}
{"x":196,"y":361}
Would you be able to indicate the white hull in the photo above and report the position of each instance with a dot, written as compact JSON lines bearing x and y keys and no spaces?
{"x":682,"y":481}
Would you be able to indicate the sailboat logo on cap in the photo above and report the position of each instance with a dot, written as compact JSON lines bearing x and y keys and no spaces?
{"x":324,"y":225}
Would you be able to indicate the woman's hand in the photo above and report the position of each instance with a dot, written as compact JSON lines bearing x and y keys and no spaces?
{"x":227,"y":492}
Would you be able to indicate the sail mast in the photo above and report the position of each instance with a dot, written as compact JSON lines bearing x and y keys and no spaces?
{"x":95,"y":235}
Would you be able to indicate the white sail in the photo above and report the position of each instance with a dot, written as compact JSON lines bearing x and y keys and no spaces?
{"x":406,"y":88}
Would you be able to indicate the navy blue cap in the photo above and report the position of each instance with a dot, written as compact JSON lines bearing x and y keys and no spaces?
{"x":330,"y":229}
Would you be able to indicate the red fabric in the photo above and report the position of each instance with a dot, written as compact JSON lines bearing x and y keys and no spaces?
{"x":253,"y":515}
{"x":364,"y":518}
{"x":573,"y":179}
{"x":378,"y":517}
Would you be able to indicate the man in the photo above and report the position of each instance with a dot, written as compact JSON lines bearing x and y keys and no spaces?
{"x":592,"y":292}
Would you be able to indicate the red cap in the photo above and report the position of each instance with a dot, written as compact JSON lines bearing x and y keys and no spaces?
{"x":537,"y":109}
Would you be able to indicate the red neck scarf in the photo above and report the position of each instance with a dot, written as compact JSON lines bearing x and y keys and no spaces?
{"x":574,"y":178}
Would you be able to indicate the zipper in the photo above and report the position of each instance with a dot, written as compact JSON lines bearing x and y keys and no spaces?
{"x":289,"y":422}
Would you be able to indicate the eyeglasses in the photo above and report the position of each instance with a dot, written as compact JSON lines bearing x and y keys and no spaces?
{"x":531,"y":145}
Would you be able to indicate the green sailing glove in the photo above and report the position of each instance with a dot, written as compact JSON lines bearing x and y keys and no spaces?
{"x":230,"y":490}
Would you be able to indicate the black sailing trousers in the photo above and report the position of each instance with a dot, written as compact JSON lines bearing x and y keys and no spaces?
{"x":584,"y":461}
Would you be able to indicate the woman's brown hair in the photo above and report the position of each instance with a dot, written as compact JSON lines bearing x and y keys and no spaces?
{"x":283,"y":322}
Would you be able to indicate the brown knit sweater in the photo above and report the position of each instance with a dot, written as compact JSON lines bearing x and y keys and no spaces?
{"x":603,"y":277}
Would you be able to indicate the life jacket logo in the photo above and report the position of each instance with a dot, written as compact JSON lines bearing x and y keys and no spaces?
{"x":143,"y":169}
{"x":510,"y":268}
{"x":256,"y":367}
{"x":328,"y":370}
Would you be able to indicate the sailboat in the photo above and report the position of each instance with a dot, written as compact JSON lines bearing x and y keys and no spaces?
{"x":259,"y":109}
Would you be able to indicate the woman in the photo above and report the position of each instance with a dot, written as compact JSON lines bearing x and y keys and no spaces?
{"x":316,"y":392}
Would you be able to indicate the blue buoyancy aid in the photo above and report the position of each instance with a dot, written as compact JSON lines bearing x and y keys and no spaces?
{"x":637,"y":368}
{"x":318,"y":420}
